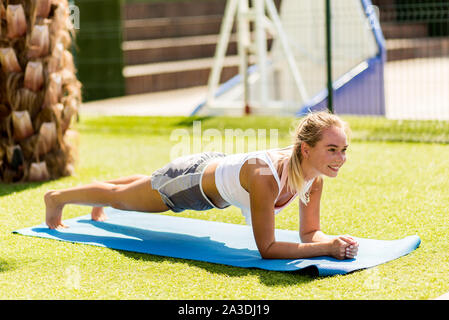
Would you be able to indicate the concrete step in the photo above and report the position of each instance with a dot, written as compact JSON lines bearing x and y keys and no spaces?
{"x":173,"y":49}
{"x":180,"y":102}
{"x":146,"y":10}
{"x":171,"y":45}
{"x":174,"y":27}
{"x":401,"y":49}
{"x":394,"y":30}
{"x":387,"y":9}
{"x":163,"y":50}
{"x":162,"y":76}
{"x":169,"y":20}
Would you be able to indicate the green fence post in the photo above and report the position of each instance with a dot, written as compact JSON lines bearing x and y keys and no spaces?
{"x":330,"y":89}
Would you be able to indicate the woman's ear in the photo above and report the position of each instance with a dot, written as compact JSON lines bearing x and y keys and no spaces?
{"x":305,"y":149}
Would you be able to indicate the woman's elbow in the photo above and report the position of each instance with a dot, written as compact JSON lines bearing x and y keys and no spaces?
{"x":266,"y":253}
{"x":305,"y":238}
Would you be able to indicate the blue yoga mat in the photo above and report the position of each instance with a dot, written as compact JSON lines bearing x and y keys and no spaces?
{"x":214,"y":242}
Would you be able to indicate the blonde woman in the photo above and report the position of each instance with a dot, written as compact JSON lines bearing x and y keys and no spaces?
{"x":260,"y":183}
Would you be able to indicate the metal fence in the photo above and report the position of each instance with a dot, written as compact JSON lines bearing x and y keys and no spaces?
{"x":411,"y":66}
{"x":417,"y":68}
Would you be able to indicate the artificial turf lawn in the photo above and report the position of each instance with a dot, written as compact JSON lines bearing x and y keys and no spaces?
{"x":386,"y":190}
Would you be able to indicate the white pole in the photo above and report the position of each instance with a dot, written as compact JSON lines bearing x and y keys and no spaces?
{"x":271,"y":8}
{"x":261,"y":50}
{"x":243,"y":45}
{"x":220,"y":51}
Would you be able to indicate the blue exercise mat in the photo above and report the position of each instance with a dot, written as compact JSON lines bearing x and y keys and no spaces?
{"x":215,"y":242}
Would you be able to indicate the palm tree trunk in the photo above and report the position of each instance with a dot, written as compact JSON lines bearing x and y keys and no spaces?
{"x":39,"y":91}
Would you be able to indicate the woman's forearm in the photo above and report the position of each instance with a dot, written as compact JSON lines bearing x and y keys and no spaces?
{"x":291,"y":250}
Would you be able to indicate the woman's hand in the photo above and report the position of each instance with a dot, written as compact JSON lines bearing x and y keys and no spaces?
{"x":353,"y":248}
{"x":343,"y":247}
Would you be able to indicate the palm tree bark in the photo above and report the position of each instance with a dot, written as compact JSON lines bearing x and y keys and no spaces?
{"x":39,"y":92}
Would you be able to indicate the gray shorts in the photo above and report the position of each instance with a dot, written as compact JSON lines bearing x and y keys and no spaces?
{"x":179,"y":182}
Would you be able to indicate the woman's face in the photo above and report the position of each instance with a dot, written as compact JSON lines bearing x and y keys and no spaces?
{"x":329,"y":154}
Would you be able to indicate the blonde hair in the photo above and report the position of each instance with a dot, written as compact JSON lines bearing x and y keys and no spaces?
{"x":309,"y":130}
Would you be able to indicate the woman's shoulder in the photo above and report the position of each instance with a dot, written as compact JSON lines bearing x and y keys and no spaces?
{"x":258,"y":174}
{"x":317,"y":184}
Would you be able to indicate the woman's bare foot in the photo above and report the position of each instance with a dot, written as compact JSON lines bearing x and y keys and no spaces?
{"x":98,"y":214}
{"x":53,"y":211}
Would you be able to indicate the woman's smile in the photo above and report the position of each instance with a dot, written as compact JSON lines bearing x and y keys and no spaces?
{"x":334,"y":168}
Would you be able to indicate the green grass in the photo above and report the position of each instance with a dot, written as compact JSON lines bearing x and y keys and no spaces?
{"x":155,"y":1}
{"x":386,"y":190}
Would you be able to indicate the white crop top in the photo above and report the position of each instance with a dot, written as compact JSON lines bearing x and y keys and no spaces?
{"x":227,"y":180}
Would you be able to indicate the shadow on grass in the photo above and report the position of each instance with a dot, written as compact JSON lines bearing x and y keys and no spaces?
{"x":5,"y":265}
{"x":188,"y":121}
{"x":266,"y":277}
{"x":8,"y":188}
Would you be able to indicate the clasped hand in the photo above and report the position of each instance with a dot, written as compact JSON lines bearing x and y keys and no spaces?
{"x":344,"y":247}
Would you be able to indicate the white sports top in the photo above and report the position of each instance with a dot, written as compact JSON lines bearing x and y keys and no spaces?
{"x":227,"y":180}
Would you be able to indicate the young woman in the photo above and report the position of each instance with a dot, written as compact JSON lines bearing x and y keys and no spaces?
{"x":261,"y":183}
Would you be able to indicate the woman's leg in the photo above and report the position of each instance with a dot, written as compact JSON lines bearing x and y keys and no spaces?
{"x":134,"y":196}
{"x":97,"y":213}
{"x":126,"y":180}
